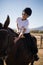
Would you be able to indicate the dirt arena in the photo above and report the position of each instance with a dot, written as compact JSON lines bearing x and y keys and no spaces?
{"x":40,"y":61}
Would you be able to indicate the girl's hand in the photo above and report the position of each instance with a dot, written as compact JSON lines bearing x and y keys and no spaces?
{"x":16,"y":39}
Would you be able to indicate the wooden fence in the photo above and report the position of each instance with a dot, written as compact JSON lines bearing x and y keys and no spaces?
{"x":39,"y":39}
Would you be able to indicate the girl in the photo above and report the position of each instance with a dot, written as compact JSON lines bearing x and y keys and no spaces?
{"x":23,"y":23}
{"x":22,"y":29}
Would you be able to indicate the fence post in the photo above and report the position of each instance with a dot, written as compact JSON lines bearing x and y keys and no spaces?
{"x":41,"y":41}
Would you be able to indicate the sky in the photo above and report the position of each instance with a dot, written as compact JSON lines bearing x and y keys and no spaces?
{"x":14,"y":9}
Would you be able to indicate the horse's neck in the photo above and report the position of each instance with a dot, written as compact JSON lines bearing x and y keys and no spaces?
{"x":13,"y":32}
{"x":16,"y":34}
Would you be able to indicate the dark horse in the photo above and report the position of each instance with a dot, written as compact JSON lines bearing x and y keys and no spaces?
{"x":15,"y":53}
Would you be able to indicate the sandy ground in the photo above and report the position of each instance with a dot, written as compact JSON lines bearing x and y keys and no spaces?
{"x":40,"y":61}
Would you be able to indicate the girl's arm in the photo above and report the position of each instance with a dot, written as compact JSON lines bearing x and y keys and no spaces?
{"x":17,"y":26}
{"x":22,"y":31}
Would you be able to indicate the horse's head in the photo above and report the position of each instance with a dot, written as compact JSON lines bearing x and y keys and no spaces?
{"x":6,"y":38}
{"x":3,"y":41}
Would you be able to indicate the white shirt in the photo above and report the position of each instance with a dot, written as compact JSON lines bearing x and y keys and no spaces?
{"x":22,"y":23}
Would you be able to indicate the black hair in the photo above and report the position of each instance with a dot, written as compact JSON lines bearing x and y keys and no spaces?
{"x":28,"y":11}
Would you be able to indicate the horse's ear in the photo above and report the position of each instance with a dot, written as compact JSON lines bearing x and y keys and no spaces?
{"x":7,"y":22}
{"x":1,"y":25}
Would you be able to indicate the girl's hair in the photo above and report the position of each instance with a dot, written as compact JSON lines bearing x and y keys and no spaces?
{"x":28,"y":11}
